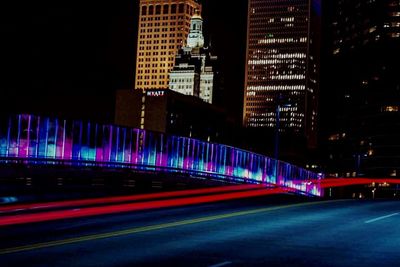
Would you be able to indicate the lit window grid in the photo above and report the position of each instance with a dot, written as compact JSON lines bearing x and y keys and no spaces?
{"x":183,"y":82}
{"x":273,"y":49}
{"x":290,"y":117}
{"x":206,"y":86}
{"x":179,"y":26}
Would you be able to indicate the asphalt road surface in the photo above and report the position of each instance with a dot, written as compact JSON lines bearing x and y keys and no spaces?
{"x":268,"y":231}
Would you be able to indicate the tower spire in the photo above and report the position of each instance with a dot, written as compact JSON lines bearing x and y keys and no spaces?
{"x":195,"y":37}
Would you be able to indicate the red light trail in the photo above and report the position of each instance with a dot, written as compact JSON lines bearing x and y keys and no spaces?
{"x":111,"y":200}
{"x":158,"y":200}
{"x":92,"y":211}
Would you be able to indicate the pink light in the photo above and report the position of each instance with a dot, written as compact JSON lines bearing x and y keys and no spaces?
{"x":111,"y":200}
{"x":92,"y":211}
{"x":139,"y":147}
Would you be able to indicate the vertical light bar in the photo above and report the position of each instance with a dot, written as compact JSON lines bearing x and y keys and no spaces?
{"x":182,"y":152}
{"x":68,"y":132}
{"x":202,"y":156}
{"x":32,"y":145}
{"x":224,"y":160}
{"x":177,"y":151}
{"x":160,"y":154}
{"x":116,"y":146}
{"x":123,"y":145}
{"x":211,"y":161}
{"x":196,"y":154}
{"x":93,"y":143}
{"x":185,"y":152}
{"x":46,"y":137}
{"x":86,"y":145}
{"x":18,"y":135}
{"x":155,"y":149}
{"x":8,"y":137}
{"x":63,"y":140}
{"x":206,"y":161}
{"x":55,"y":138}
{"x":110,"y":139}
{"x":28,"y":136}
{"x":128,"y":146}
{"x":143,"y":136}
{"x":99,"y":142}
{"x":171,"y":153}
{"x":148,"y":148}
{"x":151,"y":149}
{"x":136,"y":157}
{"x":38,"y":136}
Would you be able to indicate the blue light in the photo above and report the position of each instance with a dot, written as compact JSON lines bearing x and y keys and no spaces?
{"x":28,"y":136}
{"x":316,"y":4}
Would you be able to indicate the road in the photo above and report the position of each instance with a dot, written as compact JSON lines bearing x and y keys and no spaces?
{"x":266,"y":231}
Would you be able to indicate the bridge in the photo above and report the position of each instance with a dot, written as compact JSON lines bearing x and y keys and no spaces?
{"x":170,"y":227}
{"x":33,"y":140}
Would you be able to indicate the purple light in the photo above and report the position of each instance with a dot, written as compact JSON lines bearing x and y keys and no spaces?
{"x":28,"y":136}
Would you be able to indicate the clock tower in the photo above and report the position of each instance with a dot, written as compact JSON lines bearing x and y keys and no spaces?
{"x":195,"y":37}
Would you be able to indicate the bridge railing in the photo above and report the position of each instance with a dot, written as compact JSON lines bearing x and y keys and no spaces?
{"x":32,"y":137}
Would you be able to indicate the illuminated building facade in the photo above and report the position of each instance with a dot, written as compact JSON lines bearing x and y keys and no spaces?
{"x":163,"y":28}
{"x":193,"y":73}
{"x":363,"y":139}
{"x":283,"y":66}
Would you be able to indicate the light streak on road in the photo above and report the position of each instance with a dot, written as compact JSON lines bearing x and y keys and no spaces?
{"x":112,"y":209}
{"x":112,"y":200}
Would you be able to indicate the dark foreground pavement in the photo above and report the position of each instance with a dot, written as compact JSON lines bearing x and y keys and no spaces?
{"x":257,"y":232}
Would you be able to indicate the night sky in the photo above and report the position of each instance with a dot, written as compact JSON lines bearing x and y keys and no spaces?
{"x":67,"y":58}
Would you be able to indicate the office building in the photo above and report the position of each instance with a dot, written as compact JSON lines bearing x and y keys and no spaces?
{"x":364,"y":132}
{"x":282,"y":67}
{"x":193,"y":73}
{"x":163,"y":28}
{"x":170,"y":112}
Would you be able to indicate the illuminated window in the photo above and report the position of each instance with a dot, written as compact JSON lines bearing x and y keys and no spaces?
{"x":334,"y":137}
{"x":390,"y":108}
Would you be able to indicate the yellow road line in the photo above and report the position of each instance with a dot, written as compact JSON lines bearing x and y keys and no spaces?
{"x":149,"y":228}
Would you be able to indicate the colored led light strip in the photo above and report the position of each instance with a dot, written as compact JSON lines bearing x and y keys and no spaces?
{"x":85,"y":144}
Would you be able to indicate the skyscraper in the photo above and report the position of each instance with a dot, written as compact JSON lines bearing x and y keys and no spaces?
{"x":163,"y":28}
{"x":193,"y":73}
{"x":363,"y":139}
{"x":283,"y":66}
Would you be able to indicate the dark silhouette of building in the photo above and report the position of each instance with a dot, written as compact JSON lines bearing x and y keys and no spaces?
{"x":170,"y":112}
{"x":363,"y":104}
